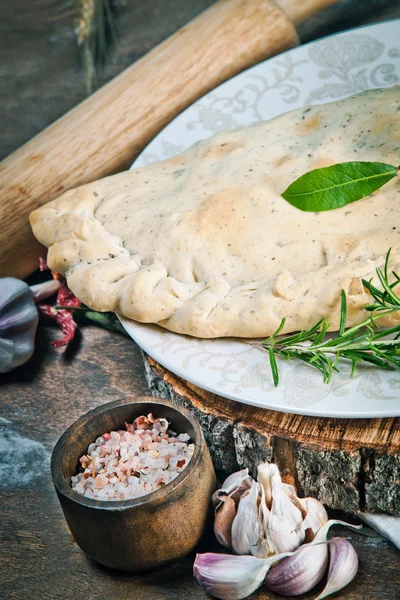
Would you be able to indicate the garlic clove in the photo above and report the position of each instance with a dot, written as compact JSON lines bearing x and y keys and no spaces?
{"x":289,"y":489}
{"x":298,"y":502}
{"x":234,"y":485}
{"x":343,"y":566}
{"x":229,"y":577}
{"x":262,"y":549}
{"x":316,"y":515}
{"x":233,"y":577}
{"x":299,"y":573}
{"x":224,"y":517}
{"x":246,"y":525}
{"x":281,"y":538}
{"x":265,"y":472}
{"x":238,"y":479}
{"x":307,"y":565}
{"x":291,"y":493}
{"x":284,"y":529}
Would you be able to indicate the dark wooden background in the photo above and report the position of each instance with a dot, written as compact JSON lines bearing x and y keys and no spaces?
{"x":40,"y":73}
{"x":41,"y":78}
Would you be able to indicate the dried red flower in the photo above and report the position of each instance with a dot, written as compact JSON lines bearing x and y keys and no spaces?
{"x":65,"y":297}
{"x":64,"y":320}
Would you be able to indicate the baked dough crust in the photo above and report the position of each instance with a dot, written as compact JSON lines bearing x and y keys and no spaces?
{"x":203,"y":243}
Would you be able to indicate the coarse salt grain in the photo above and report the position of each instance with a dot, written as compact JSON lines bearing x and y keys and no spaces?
{"x":127,"y":464}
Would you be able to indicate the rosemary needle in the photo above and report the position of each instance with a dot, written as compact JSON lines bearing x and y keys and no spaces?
{"x":362,"y":343}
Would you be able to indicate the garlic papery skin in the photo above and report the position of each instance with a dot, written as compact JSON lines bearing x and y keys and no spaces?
{"x":299,"y":573}
{"x":229,"y":577}
{"x":262,"y":549}
{"x":316,"y":515}
{"x":306,"y":566}
{"x":323,"y":532}
{"x":284,"y":528}
{"x":44,"y":290}
{"x":234,"y":485}
{"x":233,"y":577}
{"x":238,"y":479}
{"x":224,"y":516}
{"x":291,"y":493}
{"x":343,"y":566}
{"x":246,"y":525}
{"x":265,"y":472}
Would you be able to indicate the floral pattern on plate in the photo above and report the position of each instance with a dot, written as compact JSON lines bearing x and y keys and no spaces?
{"x":328,"y":69}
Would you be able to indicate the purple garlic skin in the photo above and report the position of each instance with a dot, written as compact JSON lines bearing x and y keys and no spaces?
{"x":298,"y":574}
{"x":266,"y":525}
{"x":18,"y":323}
{"x":343,"y":566}
{"x":228,"y":576}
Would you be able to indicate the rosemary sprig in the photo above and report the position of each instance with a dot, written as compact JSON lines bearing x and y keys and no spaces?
{"x":362,"y":343}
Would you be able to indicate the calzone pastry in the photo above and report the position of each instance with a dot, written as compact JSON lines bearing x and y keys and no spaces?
{"x":204,"y":244}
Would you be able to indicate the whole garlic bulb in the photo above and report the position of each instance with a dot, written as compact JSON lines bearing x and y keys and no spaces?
{"x":269,"y":517}
{"x":18,"y":322}
{"x":19,"y":318}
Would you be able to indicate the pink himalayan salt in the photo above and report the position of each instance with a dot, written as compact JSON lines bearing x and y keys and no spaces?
{"x":127,"y":464}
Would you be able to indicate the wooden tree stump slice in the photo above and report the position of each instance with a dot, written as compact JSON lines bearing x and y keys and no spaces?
{"x":348,"y":464}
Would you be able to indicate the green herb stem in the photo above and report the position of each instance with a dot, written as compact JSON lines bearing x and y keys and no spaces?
{"x":106,"y":320}
{"x":365,"y":342}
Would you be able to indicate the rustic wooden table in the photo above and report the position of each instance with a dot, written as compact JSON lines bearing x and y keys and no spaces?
{"x":39,"y":65}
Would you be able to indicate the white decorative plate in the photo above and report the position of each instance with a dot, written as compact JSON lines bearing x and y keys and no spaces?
{"x":322,"y":71}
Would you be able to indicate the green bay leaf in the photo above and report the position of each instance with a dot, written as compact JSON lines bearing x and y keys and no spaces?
{"x":338,"y":185}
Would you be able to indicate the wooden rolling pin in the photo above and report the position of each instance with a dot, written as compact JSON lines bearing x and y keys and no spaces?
{"x":105,"y":133}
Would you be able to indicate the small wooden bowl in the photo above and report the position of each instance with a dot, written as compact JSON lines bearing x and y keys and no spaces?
{"x":140,"y":534}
